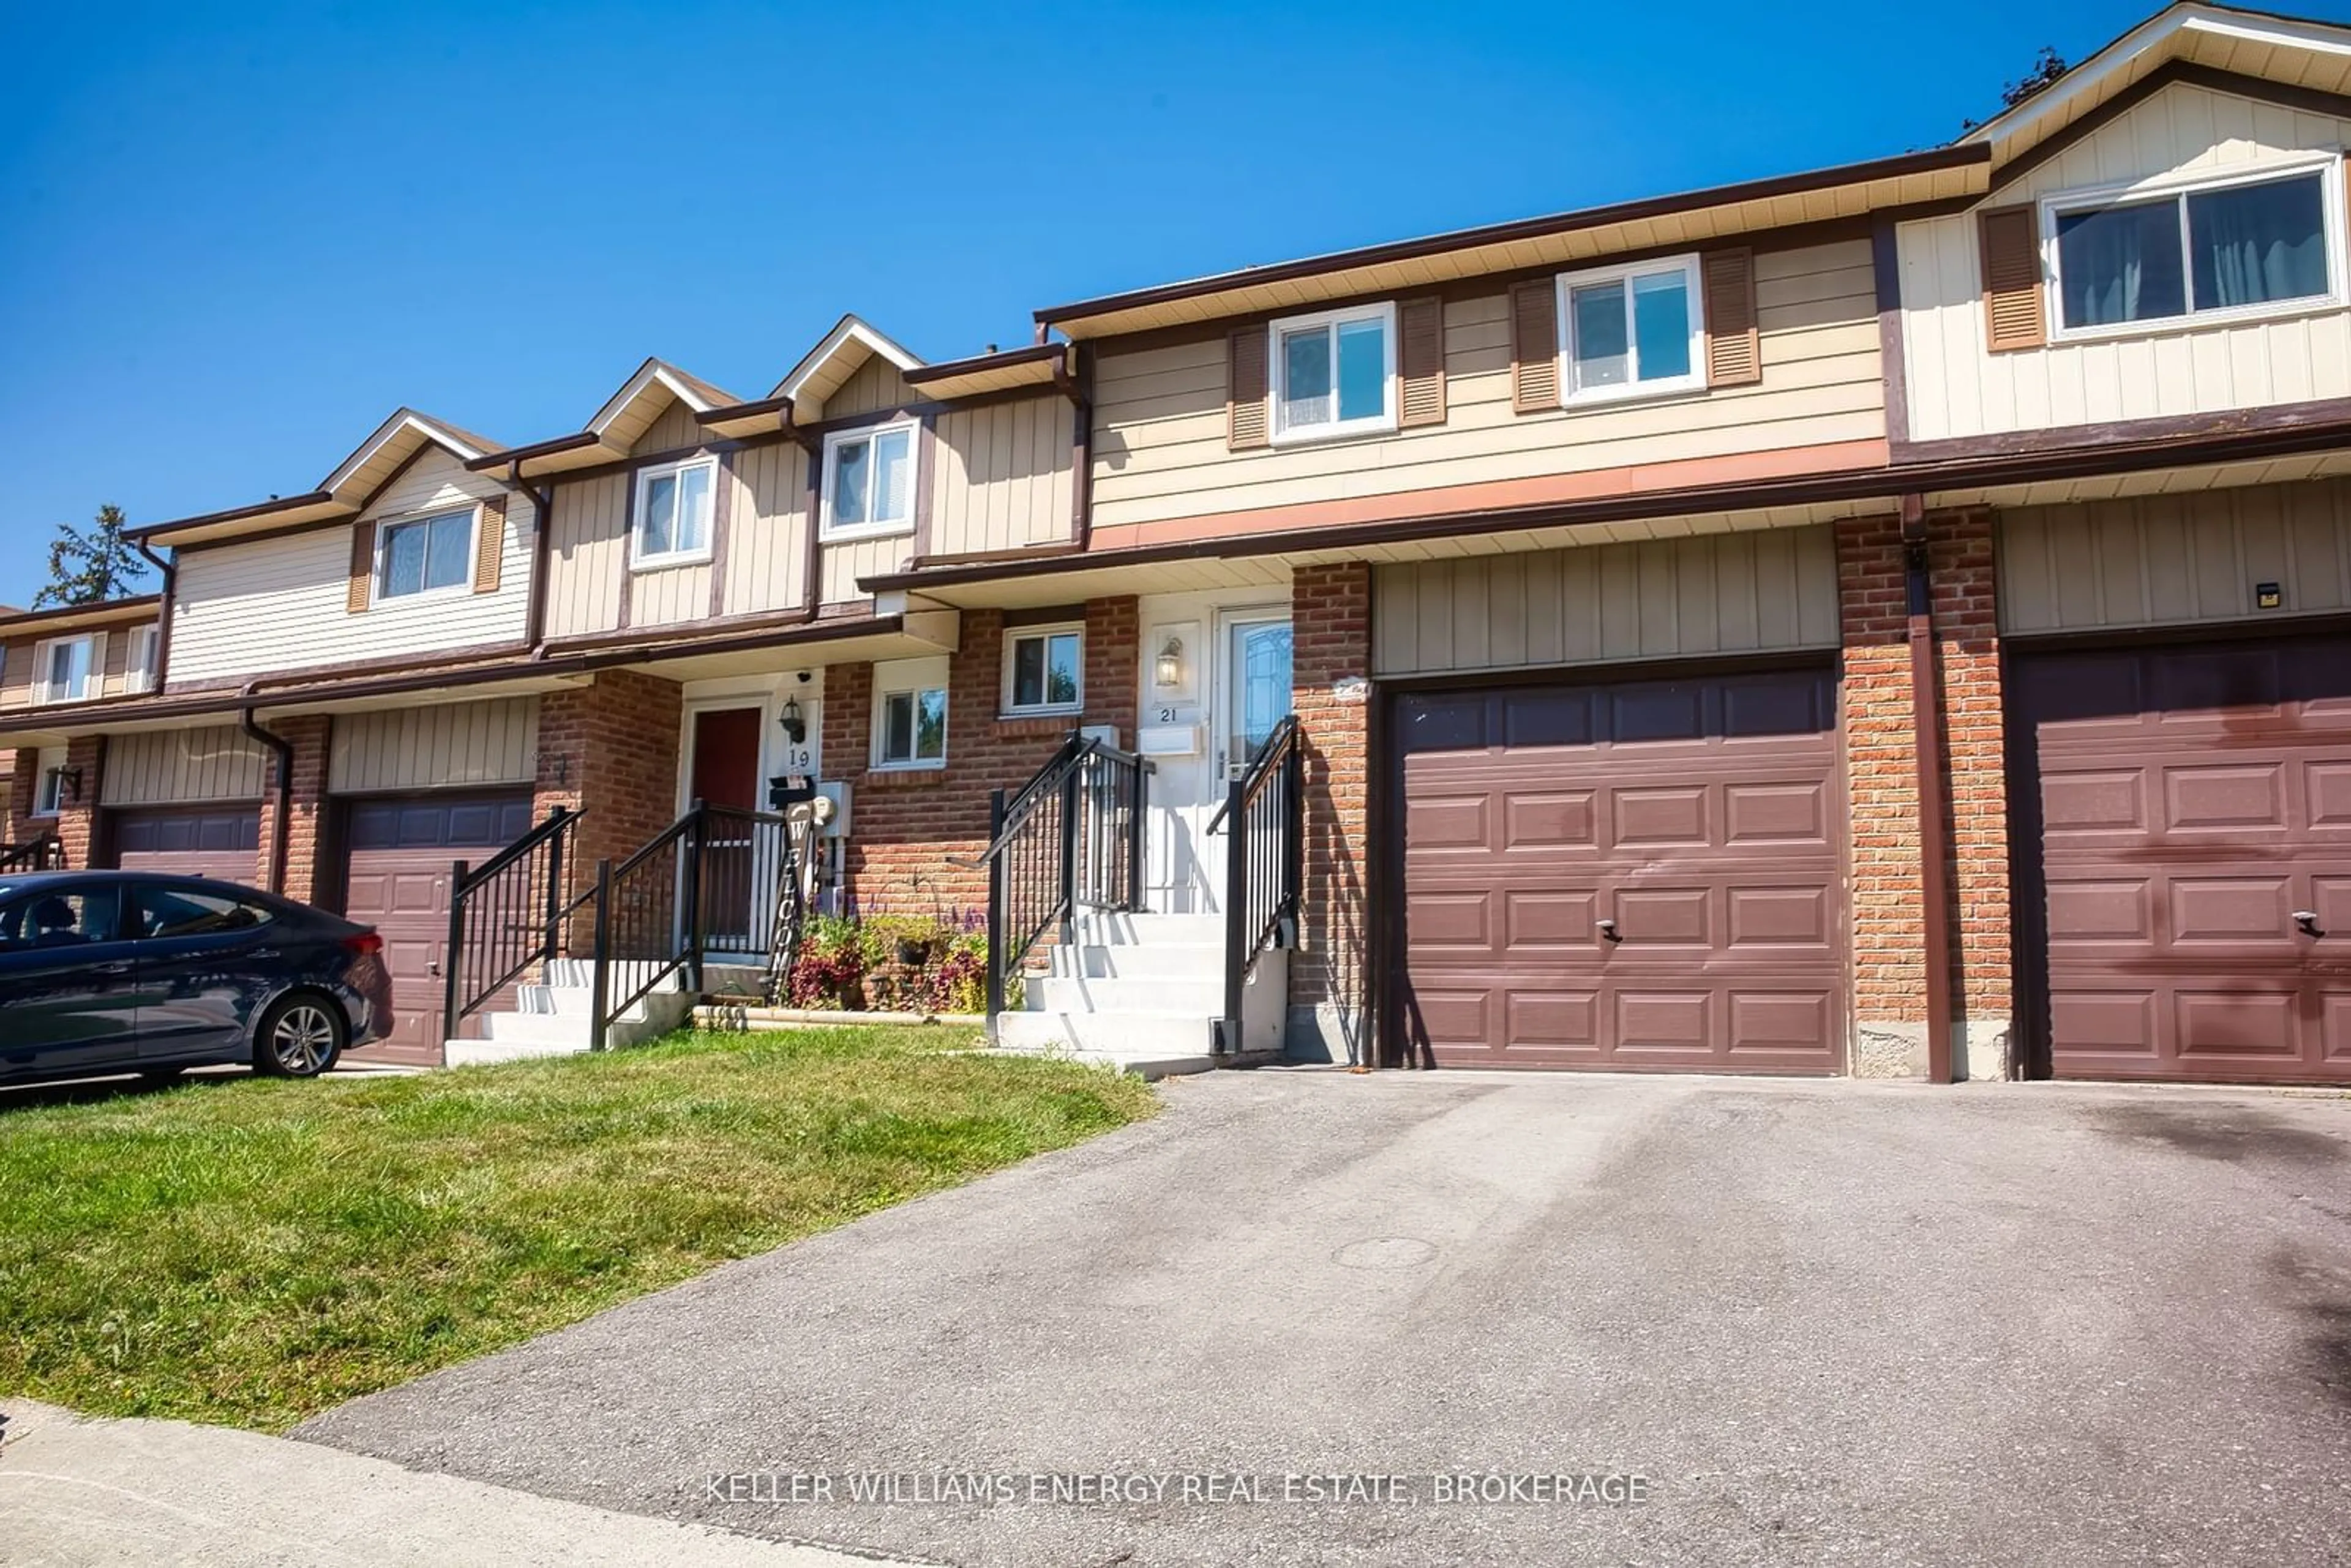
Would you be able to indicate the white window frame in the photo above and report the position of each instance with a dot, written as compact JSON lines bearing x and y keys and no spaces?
{"x":2328,"y":166}
{"x":1571,"y":394}
{"x":94,"y":684}
{"x":386,"y":527}
{"x":910,"y":677}
{"x":1334,"y":428}
{"x":831,"y":530}
{"x":1013,"y":637}
{"x":139,"y":670}
{"x":48,"y":781}
{"x":643,"y":559}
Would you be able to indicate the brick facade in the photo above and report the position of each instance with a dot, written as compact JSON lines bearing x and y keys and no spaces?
{"x":1888,"y":902}
{"x":909,"y":829}
{"x":610,"y":749}
{"x":20,"y":826}
{"x":306,"y":811}
{"x":1331,"y":666}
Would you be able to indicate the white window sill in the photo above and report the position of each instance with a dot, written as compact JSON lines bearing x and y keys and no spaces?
{"x":42,"y":816}
{"x":832,"y":536}
{"x":1636,"y":391}
{"x":422,"y":596}
{"x":673,"y":560}
{"x":2195,"y":321}
{"x":46,"y":701}
{"x":1312,"y":434}
{"x":933,"y":766}
{"x":1057,"y":710}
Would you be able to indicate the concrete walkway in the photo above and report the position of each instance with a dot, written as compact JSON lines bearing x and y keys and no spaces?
{"x":80,"y":1491}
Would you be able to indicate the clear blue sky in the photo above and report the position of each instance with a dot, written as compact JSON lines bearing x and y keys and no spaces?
{"x":233,"y":238}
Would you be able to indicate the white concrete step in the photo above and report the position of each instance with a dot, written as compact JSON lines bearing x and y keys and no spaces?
{"x":1157,"y":961}
{"x":551,"y":1029}
{"x":1191,"y":996}
{"x":487,"y":1053}
{"x":1110,"y":929}
{"x":1139,"y":1036}
{"x":574,"y":1001}
{"x":627,"y":974}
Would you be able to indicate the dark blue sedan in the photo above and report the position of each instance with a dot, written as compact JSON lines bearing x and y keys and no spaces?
{"x":144,"y":972}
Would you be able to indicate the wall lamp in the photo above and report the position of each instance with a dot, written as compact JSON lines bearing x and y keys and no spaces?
{"x":1170,"y":666}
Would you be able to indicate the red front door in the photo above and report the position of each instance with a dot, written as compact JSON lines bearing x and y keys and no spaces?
{"x":726,"y":758}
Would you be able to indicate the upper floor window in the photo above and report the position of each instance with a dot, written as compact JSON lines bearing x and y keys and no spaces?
{"x":1632,"y":331}
{"x":426,"y":554}
{"x":1335,"y":374}
{"x":69,"y":668}
{"x":1044,"y":670}
{"x":2244,"y":246}
{"x":673,"y":507}
{"x":139,"y":672}
{"x":869,"y":483}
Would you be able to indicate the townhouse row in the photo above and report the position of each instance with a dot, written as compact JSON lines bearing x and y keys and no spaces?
{"x":1892,"y":619}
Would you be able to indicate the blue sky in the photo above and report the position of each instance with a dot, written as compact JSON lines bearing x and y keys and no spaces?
{"x":233,"y":238}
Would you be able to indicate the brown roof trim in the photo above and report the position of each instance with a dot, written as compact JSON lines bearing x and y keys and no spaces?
{"x":561,"y":443}
{"x":2134,"y":434}
{"x":1932,"y":160}
{"x":234,"y":514}
{"x":782,"y":406}
{"x":1956,"y":471}
{"x":948,"y":370}
{"x":130,"y":609}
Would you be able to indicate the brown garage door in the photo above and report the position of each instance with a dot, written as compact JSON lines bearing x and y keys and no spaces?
{"x":2188,"y":803}
{"x":220,"y":841}
{"x":1635,"y":876}
{"x":397,"y":880}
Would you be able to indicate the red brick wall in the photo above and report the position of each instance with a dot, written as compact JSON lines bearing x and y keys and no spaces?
{"x":908,"y":827}
{"x":610,"y":749}
{"x":1330,"y":617}
{"x":24,"y":773}
{"x":306,"y":811}
{"x":1889,"y":971}
{"x":77,"y":821}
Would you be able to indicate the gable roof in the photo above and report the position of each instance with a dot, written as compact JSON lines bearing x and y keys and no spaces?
{"x":826,"y":368}
{"x":2293,"y":57}
{"x":617,"y":425}
{"x":344,"y":492}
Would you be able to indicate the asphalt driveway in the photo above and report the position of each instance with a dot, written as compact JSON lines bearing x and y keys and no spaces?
{"x":1821,"y":1321}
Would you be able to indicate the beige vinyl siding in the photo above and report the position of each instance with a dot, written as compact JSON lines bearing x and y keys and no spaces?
{"x":1002,"y":477}
{"x":1761,"y":592}
{"x":20,"y":662}
{"x":844,"y":564}
{"x":2176,"y":560}
{"x":588,"y":556}
{"x":177,"y":767}
{"x":670,"y":595}
{"x":1957,"y":388}
{"x":767,"y":529}
{"x":873,"y":387}
{"x":674,"y":429}
{"x":453,"y":745}
{"x":244,"y":610}
{"x":1160,"y":448}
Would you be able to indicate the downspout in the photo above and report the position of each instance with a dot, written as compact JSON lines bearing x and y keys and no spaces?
{"x":284,"y":751}
{"x":1078,"y":386}
{"x":171,"y":574}
{"x":542,"y":549}
{"x":1934,"y":829}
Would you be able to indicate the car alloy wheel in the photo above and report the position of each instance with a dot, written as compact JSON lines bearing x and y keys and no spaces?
{"x":304,"y":1039}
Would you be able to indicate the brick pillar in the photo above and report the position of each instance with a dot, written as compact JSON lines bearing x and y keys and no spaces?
{"x":307,"y":806}
{"x":1889,"y":915}
{"x":611,"y":751}
{"x":1331,"y":661}
{"x":77,"y":821}
{"x":24,"y":774}
{"x":1113,"y":682}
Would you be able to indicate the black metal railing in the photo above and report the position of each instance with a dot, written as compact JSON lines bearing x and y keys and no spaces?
{"x":505,"y":915}
{"x":47,"y":853}
{"x":1070,"y":838}
{"x":1263,"y":819}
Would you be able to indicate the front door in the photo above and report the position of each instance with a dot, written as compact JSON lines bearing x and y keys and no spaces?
{"x":725,"y":774}
{"x":1240,"y":693}
{"x":1255,"y":677}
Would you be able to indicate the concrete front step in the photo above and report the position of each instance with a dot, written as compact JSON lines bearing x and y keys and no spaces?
{"x":1107,"y":928}
{"x":1203,"y":961}
{"x":1143,"y":1035}
{"x":1191,"y":996}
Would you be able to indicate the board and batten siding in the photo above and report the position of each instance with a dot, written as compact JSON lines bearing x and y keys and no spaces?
{"x":2176,"y":560}
{"x":1958,"y":388}
{"x":1766,"y":591}
{"x":244,"y":610}
{"x":674,"y":429}
{"x":451,"y":746}
{"x":873,"y":387}
{"x":19,"y":663}
{"x":1003,"y":477}
{"x":183,"y":766}
{"x":1160,"y":449}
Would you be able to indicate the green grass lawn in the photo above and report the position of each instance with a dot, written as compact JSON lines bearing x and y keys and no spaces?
{"x":253,"y":1251}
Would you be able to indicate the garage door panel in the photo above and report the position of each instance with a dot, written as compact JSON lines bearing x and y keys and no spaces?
{"x":2169,"y":941}
{"x":219,"y":842}
{"x":1716,"y":856}
{"x":2334,"y":1024}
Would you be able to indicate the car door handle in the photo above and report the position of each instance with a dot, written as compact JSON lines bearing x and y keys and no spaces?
{"x":109,"y":971}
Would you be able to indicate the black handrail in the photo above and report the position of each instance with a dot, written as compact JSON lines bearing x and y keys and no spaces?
{"x":1266,"y":864}
{"x":505,"y":916}
{"x":47,"y":853}
{"x":1070,"y":838}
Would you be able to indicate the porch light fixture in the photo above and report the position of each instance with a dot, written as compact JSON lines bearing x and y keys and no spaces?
{"x":795,"y":724}
{"x":1170,"y":667}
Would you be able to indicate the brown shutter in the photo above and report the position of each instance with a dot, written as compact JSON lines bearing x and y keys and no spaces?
{"x":1246,"y":416}
{"x":1420,"y":358}
{"x":2013,"y":314}
{"x":1734,"y":349}
{"x":362,"y":566}
{"x":489,"y":544}
{"x":1534,"y":346}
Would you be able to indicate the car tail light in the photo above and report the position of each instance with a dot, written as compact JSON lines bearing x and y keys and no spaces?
{"x":367,"y":945}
